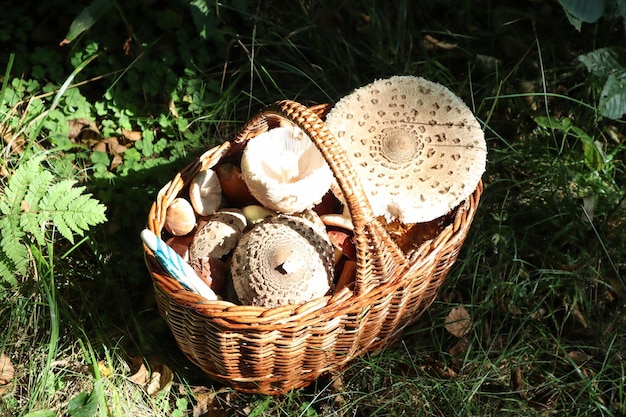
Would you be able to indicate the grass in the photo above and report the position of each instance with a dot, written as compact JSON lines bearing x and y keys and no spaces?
{"x":541,"y":273}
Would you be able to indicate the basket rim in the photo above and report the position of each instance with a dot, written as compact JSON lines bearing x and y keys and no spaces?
{"x":329,"y":305}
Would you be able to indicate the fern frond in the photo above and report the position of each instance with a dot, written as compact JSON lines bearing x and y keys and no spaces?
{"x":31,"y":218}
{"x":71,"y":211}
{"x":7,"y":275}
{"x":30,"y":202}
{"x":19,"y":183}
{"x":11,"y":243}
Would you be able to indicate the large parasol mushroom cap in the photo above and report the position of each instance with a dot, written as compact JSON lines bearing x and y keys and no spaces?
{"x":282,"y":260}
{"x":284,"y":170}
{"x":416,"y":147}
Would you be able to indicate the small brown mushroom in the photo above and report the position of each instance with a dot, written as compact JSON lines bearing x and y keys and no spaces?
{"x":342,"y":242}
{"x":416,"y":147}
{"x":212,"y":271}
{"x":219,"y":235}
{"x":233,"y":185}
{"x":284,"y":170}
{"x":282,"y":260}
{"x":180,"y":217}
{"x":205,"y":192}
{"x":180,"y":244}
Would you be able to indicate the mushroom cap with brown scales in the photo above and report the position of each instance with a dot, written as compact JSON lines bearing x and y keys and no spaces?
{"x":416,"y":147}
{"x":282,"y":260}
{"x":219,"y":235}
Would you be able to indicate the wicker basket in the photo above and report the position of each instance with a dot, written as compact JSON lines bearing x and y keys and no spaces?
{"x":272,"y":351}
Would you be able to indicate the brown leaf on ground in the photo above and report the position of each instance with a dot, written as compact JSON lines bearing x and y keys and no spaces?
{"x":579,"y":357}
{"x":459,"y":348}
{"x":6,"y":373}
{"x":113,"y":147}
{"x":155,"y":376}
{"x":517,"y":382}
{"x":209,"y":405}
{"x":6,"y":369}
{"x":458,"y":322}
{"x":84,"y":130}
{"x":104,"y":369}
{"x":141,"y":377}
{"x":131,"y":135}
{"x":160,"y":378}
{"x":430,"y":43}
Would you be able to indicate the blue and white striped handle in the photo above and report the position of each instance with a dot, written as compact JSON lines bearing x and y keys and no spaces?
{"x":176,"y":266}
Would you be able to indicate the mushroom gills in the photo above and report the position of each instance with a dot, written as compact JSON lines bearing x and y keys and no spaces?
{"x":284,"y":170}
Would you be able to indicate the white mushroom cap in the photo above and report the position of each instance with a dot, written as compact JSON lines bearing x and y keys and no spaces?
{"x":284,"y":170}
{"x":205,"y":192}
{"x":282,"y":260}
{"x":416,"y":147}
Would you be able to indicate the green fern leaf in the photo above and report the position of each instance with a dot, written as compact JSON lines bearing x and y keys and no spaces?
{"x":4,"y":206}
{"x":19,"y":183}
{"x":30,"y":202}
{"x":7,"y":275}
{"x":31,"y":217}
{"x":11,"y":244}
{"x":71,"y":211}
{"x":37,"y":189}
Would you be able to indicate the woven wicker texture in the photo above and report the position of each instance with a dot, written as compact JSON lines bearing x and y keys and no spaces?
{"x":272,"y":351}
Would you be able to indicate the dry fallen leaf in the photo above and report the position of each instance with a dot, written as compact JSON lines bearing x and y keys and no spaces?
{"x":160,"y":378}
{"x":458,"y":322}
{"x":104,"y":369}
{"x":579,"y":357}
{"x":84,"y":130}
{"x":141,"y":377}
{"x":430,"y":42}
{"x":6,"y":373}
{"x":459,"y":348}
{"x":155,"y":377}
{"x":132,"y":135}
{"x":112,"y":146}
{"x":517,"y":382}
{"x":208,"y":405}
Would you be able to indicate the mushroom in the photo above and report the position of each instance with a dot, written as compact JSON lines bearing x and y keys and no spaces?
{"x":233,"y":186}
{"x":284,"y":170}
{"x":416,"y":147}
{"x":180,"y":218}
{"x":212,"y":271}
{"x":282,"y":260}
{"x":255,"y":213}
{"x":219,"y":235}
{"x":205,"y":192}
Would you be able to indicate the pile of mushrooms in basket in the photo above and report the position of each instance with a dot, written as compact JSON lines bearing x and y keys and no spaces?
{"x":271,"y":229}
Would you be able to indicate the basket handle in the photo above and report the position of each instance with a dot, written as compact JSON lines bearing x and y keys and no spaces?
{"x":379,"y":259}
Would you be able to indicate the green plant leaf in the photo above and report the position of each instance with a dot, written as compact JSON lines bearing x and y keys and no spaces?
{"x":586,"y":10}
{"x":609,"y":64}
{"x":203,"y":17}
{"x":83,"y":405}
{"x":86,"y":19}
{"x":42,"y":413}
{"x":613,"y":97}
{"x":30,"y":201}
{"x":605,"y":61}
